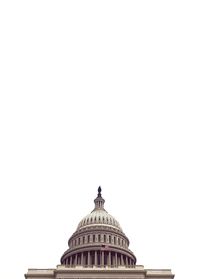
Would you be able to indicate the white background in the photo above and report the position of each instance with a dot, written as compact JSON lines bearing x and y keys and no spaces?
{"x":99,"y":93}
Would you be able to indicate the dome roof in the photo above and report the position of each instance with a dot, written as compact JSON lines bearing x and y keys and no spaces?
{"x":99,"y":217}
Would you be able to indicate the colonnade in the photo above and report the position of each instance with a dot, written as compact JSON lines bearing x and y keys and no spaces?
{"x":99,"y":258}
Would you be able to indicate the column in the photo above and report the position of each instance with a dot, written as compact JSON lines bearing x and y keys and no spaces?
{"x":75,"y":261}
{"x":102,"y":258}
{"x":88,"y":258}
{"x":116,"y":263}
{"x":126,"y":261}
{"x":82,"y":259}
{"x":122,"y":260}
{"x":113,"y":259}
{"x":95,"y":258}
{"x":109,"y":258}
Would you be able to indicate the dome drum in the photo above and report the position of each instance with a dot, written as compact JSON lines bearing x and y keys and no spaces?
{"x":99,"y":257}
{"x":98,"y":236}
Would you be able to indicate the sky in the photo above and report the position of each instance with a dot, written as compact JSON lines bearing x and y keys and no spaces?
{"x":99,"y":93}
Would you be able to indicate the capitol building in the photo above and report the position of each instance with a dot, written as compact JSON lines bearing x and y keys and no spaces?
{"x":99,"y":249}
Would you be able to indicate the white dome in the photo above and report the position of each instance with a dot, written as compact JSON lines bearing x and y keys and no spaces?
{"x":99,"y":217}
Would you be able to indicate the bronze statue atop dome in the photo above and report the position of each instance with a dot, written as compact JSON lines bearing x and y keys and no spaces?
{"x":99,"y":191}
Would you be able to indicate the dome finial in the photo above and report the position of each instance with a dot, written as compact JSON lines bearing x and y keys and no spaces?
{"x":99,"y":191}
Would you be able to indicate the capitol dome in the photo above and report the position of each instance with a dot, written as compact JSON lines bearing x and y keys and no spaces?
{"x":98,"y":241}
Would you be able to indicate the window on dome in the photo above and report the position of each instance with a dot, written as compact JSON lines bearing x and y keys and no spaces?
{"x":114,"y":240}
{"x":99,"y":238}
{"x":88,"y":238}
{"x":104,"y":238}
{"x":93,"y":238}
{"x":109,"y":239}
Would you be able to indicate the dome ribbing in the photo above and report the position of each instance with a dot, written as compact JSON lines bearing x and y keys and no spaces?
{"x":99,"y":218}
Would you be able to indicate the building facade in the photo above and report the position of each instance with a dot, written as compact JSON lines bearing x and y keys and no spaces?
{"x":99,"y":249}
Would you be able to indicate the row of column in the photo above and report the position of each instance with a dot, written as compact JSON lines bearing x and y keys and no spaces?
{"x":100,"y":258}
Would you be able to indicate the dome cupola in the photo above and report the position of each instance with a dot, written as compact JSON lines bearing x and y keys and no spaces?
{"x":98,"y":241}
{"x":99,"y":201}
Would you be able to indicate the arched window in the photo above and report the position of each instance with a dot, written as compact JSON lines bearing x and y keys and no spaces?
{"x":99,"y":238}
{"x":88,"y":238}
{"x":109,"y":238}
{"x":104,"y":238}
{"x":114,"y":240}
{"x":94,"y":238}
